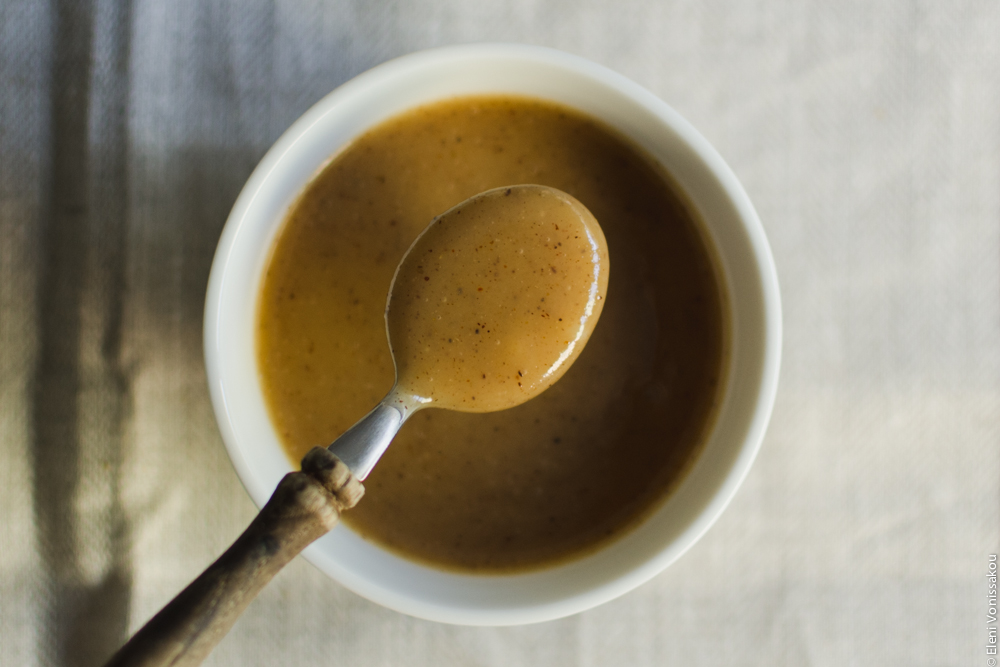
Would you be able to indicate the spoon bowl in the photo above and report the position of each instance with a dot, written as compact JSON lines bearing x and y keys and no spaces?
{"x":489,"y":307}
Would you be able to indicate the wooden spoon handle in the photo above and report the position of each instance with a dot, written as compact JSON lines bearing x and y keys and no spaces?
{"x":305,"y":506}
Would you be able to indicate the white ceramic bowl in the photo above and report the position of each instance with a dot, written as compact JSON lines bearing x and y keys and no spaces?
{"x":709,"y":183}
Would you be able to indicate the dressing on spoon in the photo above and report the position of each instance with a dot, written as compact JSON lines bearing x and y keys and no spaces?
{"x":488,"y":308}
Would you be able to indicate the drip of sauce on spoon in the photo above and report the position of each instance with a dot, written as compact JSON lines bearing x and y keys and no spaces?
{"x":489,"y":307}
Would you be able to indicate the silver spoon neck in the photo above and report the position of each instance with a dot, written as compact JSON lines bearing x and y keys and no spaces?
{"x":362,"y":445}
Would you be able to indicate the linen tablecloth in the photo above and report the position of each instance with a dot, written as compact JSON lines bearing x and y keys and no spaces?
{"x":866,"y":133}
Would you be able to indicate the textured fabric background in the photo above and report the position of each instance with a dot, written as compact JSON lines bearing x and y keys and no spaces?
{"x":866,"y":133}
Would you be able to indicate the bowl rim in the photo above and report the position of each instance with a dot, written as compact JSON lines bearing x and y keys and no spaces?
{"x":426,"y":76}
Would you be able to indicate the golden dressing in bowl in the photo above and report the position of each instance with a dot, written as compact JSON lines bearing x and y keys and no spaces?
{"x":562,"y":474}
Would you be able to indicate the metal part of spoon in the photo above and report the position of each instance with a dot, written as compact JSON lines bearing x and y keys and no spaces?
{"x":488,"y":308}
{"x":362,"y":445}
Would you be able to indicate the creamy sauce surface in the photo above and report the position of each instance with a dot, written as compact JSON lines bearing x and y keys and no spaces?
{"x":560,"y":474}
{"x":496,"y":299}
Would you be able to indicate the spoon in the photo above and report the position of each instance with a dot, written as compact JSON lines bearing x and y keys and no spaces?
{"x":489,"y":307}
